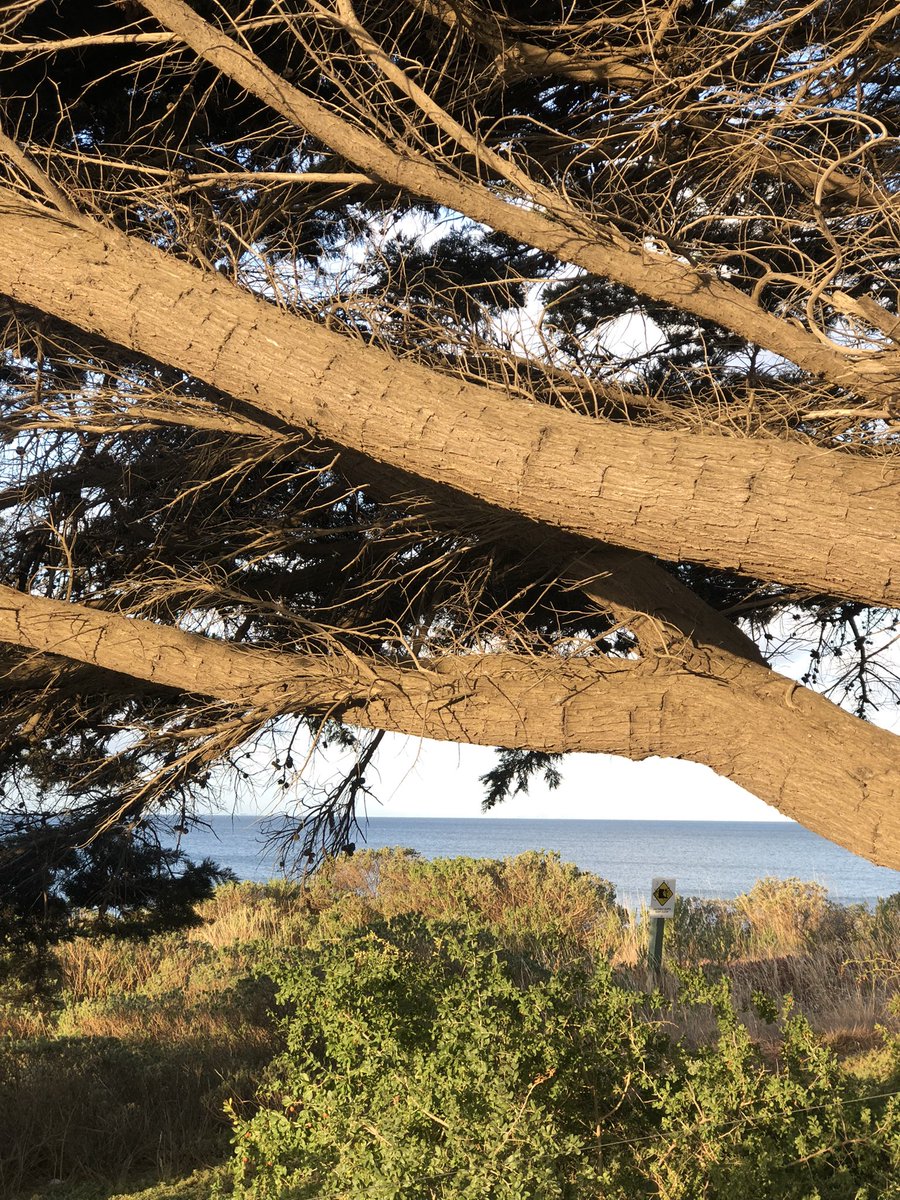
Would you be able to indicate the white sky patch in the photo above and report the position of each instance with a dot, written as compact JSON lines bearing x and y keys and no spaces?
{"x":416,"y":777}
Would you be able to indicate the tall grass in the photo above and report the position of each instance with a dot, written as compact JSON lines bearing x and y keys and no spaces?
{"x":127,"y":1069}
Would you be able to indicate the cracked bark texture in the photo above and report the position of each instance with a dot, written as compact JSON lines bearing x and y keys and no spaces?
{"x":813,"y":518}
{"x":789,"y":746}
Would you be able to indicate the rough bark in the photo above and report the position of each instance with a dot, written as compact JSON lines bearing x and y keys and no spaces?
{"x":668,"y":617}
{"x":549,"y":224}
{"x":790,"y":747}
{"x":817,"y":519}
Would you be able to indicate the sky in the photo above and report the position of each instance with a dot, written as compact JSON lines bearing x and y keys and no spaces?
{"x":420,"y":778}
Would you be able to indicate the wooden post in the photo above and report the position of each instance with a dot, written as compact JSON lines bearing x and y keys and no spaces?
{"x":657,"y":931}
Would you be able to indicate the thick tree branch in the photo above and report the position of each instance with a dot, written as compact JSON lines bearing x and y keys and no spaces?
{"x":796,"y":750}
{"x":817,"y":519}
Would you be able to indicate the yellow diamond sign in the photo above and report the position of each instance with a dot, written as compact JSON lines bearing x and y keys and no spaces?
{"x":662,"y":897}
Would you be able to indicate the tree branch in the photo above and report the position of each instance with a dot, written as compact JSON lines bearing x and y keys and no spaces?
{"x":565,"y":232}
{"x":817,"y":519}
{"x":790,"y":747}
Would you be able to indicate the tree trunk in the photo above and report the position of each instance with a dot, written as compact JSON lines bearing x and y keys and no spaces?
{"x":816,"y":519}
{"x":792,"y":748}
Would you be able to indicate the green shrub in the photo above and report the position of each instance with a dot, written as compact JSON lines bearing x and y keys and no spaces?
{"x":705,"y":931}
{"x":423,"y":1060}
{"x":732,"y":1125}
{"x":525,"y":899}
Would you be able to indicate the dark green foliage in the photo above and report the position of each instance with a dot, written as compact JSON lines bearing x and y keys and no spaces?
{"x":121,"y":882}
{"x":513,"y":771}
{"x":147,"y":884}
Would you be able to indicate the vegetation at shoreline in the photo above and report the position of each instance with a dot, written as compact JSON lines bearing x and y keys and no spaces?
{"x":489,"y":1028}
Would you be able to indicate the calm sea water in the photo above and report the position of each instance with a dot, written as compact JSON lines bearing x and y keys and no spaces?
{"x":713,"y":859}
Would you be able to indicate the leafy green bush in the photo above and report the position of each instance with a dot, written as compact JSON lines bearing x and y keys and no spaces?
{"x":423,"y":1060}
{"x":732,"y":1125}
{"x":524,"y":899}
{"x":704,"y":931}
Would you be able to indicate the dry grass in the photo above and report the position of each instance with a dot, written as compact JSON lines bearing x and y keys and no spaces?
{"x":91,"y":968}
{"x":277,"y":913}
{"x":129,"y":1074}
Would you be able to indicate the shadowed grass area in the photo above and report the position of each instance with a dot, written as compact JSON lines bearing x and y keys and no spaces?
{"x":118,"y":1075}
{"x":196,"y":1186}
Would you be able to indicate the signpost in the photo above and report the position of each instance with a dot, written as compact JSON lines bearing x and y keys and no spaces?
{"x":662,"y":906}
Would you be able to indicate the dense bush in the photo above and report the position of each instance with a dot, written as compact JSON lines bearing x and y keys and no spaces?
{"x":524,"y":899}
{"x":424,"y":1060}
{"x":704,"y":930}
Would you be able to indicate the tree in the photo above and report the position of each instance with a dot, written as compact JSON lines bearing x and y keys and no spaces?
{"x":324,"y":395}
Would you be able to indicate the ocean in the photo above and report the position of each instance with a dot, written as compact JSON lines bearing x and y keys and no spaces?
{"x":712,"y":859}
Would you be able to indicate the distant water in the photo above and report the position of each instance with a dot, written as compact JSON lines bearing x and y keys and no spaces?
{"x":713,"y":859}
